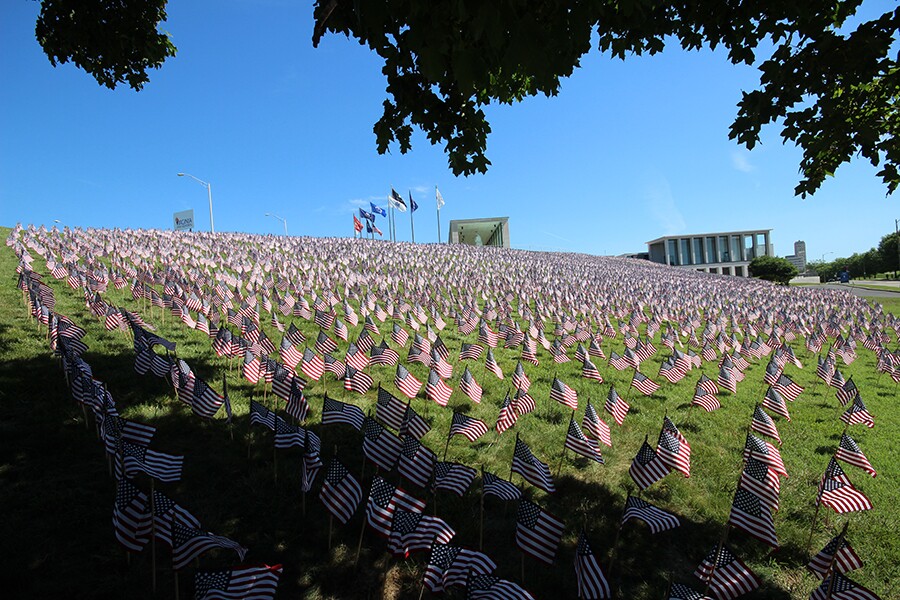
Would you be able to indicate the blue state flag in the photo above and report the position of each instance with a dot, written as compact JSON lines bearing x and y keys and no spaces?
{"x":378,"y":210}
{"x":412,"y":203}
{"x":366,"y":215}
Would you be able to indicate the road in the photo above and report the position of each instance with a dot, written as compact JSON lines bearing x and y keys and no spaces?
{"x":859,"y":291}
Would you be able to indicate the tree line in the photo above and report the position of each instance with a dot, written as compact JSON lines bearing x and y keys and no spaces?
{"x":883,"y":258}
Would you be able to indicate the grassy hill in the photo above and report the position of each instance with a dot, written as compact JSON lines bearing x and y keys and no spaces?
{"x":56,"y":491}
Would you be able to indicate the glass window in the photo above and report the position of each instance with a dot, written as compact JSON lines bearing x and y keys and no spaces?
{"x":698,"y":251}
{"x":723,"y":248}
{"x":673,"y":252}
{"x":686,"y":251}
{"x":736,"y":255}
{"x":761,"y":246}
{"x":711,"y":255}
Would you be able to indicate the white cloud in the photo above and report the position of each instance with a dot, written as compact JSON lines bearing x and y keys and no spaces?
{"x":740,"y":160}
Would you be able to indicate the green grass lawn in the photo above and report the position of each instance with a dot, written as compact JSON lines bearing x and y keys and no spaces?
{"x":57,"y":494}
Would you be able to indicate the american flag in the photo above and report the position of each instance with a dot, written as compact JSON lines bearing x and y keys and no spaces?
{"x":836,"y":491}
{"x":508,"y":416}
{"x":132,"y":520}
{"x":533,"y":470}
{"x":133,"y":459}
{"x":205,"y":402}
{"x":751,"y":514}
{"x":341,"y":492}
{"x":258,"y":582}
{"x":673,"y":449}
{"x":383,"y":355}
{"x":520,"y":379}
{"x":538,"y":532}
{"x":491,"y":485}
{"x":389,"y":409}
{"x":656,"y":518}
{"x":335,"y":411}
{"x":838,"y":555}
{"x":416,"y":461}
{"x":774,"y":402}
{"x":415,"y":532}
{"x":762,"y":423}
{"x":491,"y":365}
{"x":166,"y":514}
{"x":380,"y":445}
{"x":857,"y":413}
{"x":847,"y":392}
{"x":646,"y":468}
{"x":468,"y":427}
{"x":251,"y":367}
{"x":470,"y":387}
{"x":579,"y":444}
{"x":707,"y":385}
{"x":680,"y":591}
{"x":619,"y":363}
{"x":437,"y":390}
{"x":727,"y":380}
{"x":440,"y":365}
{"x":470,"y":352}
{"x":114,"y":428}
{"x":355,"y":357}
{"x":849,"y":452}
{"x":773,"y":372}
{"x":787,"y":388}
{"x":758,"y":478}
{"x":189,"y":543}
{"x":294,"y":335}
{"x":384,"y":500}
{"x":643,"y":384}
{"x":592,"y":584}
{"x":413,"y":424}
{"x":595,"y":427}
{"x":589,"y":371}
{"x":450,"y":566}
{"x":762,"y":450}
{"x":399,"y":335}
{"x":326,"y":345}
{"x":297,"y":406}
{"x":616,"y":406}
{"x":406,"y":382}
{"x":838,"y":587}
{"x":595,"y":350}
{"x":453,"y":477}
{"x":489,"y":587}
{"x":312,"y":365}
{"x":357,"y":381}
{"x":728,"y":577}
{"x":563,"y":394}
{"x":260,"y":415}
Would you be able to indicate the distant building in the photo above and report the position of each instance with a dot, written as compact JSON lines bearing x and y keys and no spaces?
{"x":480,"y":232}
{"x":798,"y":258}
{"x":725,"y":253}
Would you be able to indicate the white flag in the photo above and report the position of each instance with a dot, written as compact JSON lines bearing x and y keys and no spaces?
{"x":438,"y":198}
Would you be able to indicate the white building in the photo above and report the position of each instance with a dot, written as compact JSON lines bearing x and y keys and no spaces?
{"x":725,"y":253}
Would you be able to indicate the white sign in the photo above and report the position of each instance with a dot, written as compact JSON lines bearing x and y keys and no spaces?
{"x":184,"y":220}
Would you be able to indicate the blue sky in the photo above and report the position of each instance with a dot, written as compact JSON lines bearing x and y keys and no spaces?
{"x":626,"y":153}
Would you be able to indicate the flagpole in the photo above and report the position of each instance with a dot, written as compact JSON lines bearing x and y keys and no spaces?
{"x":438,"y":213}
{"x":412,"y":225}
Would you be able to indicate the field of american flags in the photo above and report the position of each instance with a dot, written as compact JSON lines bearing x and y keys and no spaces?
{"x":58,"y":494}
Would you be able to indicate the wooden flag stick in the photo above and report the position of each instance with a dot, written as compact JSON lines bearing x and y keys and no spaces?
{"x":176,"y":585}
{"x":153,"y":531}
{"x":481,"y":517}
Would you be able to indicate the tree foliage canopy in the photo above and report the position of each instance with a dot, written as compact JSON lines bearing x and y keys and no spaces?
{"x":834,"y":92}
{"x":772,"y":268}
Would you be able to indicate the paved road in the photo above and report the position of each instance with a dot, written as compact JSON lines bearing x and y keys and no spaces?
{"x":858,"y":291}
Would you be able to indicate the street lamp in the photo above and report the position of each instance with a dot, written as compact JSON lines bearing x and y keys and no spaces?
{"x":283,"y":221}
{"x":212,"y":227}
{"x":824,"y":254}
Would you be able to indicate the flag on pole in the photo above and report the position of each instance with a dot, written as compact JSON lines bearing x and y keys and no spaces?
{"x":396,"y":201}
{"x":258,"y":582}
{"x":592,"y":583}
{"x":538,"y":532}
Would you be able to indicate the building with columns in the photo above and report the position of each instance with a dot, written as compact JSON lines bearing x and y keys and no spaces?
{"x":724,"y":253}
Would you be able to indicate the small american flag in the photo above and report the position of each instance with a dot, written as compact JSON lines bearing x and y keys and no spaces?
{"x":468,"y":427}
{"x":453,"y":477}
{"x":533,"y":470}
{"x":416,"y":461}
{"x":341,"y":492}
{"x":837,"y":554}
{"x":591,"y":580}
{"x":256,"y":582}
{"x":335,"y":411}
{"x":538,"y":532}
{"x":656,"y":518}
{"x":384,"y":500}
{"x":646,"y":468}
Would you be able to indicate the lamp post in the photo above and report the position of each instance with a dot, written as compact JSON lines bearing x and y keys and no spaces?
{"x":212,"y":227}
{"x":283,"y":221}
{"x":897,"y":234}
{"x":825,"y":254}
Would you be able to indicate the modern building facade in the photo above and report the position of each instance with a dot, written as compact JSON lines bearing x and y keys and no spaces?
{"x":798,"y":258}
{"x":480,"y":232}
{"x":725,"y":253}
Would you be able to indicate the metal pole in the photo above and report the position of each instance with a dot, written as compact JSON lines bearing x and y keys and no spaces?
{"x":212,"y":227}
{"x":897,"y":240}
{"x":439,"y":224}
{"x":412,"y":225}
